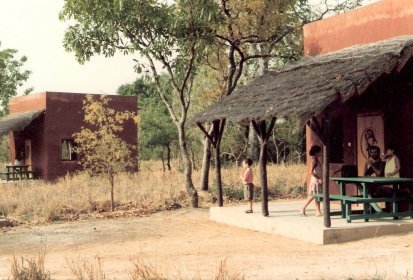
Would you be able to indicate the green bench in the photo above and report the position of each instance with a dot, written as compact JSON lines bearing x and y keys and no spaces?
{"x":369,"y":205}
{"x":16,"y":176}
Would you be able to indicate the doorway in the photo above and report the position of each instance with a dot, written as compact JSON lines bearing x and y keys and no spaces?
{"x":28,"y":152}
{"x":370,"y":132}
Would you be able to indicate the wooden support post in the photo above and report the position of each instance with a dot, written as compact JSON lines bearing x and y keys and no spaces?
{"x":215,"y":139}
{"x":216,"y":134}
{"x":326,"y":172}
{"x":263,"y":135}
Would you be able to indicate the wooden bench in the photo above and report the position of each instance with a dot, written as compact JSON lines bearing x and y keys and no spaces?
{"x":367,"y":213}
{"x":16,"y":176}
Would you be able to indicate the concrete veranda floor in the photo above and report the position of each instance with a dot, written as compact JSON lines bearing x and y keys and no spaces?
{"x":284,"y":219}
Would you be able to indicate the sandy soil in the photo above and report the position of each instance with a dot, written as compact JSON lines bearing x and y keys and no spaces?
{"x":184,"y":244}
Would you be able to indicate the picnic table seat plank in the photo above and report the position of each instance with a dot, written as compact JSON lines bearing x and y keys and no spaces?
{"x":371,"y":209}
{"x":17,"y":172}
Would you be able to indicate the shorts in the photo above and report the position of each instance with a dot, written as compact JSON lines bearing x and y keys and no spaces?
{"x":249,"y":192}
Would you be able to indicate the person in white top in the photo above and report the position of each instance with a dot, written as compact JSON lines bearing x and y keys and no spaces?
{"x":315,"y":181}
{"x":392,"y":167}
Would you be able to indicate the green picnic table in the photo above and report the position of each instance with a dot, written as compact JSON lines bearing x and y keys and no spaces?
{"x":17,"y":172}
{"x":371,"y":210}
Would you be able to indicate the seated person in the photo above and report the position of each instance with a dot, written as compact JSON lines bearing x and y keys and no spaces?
{"x":392,"y":167}
{"x":374,"y":165}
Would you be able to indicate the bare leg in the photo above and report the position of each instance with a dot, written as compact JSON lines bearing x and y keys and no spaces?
{"x":308,"y":201}
{"x":317,"y":206}
{"x":250,"y":205}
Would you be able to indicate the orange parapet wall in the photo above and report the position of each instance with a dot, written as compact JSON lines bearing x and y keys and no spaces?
{"x":372,"y":23}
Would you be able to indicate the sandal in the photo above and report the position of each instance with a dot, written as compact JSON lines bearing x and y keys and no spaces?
{"x":248,"y":211}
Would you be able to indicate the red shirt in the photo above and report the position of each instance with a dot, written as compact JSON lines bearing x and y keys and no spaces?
{"x":248,"y":176}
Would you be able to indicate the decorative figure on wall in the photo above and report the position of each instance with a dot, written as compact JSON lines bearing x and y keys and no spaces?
{"x":368,"y":140}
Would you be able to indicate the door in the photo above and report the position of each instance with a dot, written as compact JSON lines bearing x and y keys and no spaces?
{"x":28,"y":152}
{"x":370,"y":132}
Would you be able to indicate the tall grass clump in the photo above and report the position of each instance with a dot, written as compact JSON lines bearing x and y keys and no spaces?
{"x":150,"y":190}
{"x":85,"y":270}
{"x":224,"y":273}
{"x":29,"y":269}
{"x":143,"y":270}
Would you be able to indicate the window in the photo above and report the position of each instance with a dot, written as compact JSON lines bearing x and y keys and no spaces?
{"x":68,"y":149}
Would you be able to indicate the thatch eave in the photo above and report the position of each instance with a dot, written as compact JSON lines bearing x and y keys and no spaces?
{"x":306,"y":88}
{"x":18,"y":121}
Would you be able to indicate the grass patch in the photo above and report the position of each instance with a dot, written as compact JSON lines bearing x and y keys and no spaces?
{"x":29,"y":269}
{"x":148,"y":191}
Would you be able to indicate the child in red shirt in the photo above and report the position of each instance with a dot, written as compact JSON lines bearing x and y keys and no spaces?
{"x":247,"y":179}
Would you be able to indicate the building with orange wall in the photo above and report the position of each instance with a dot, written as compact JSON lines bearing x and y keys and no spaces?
{"x":41,"y":128}
{"x":385,"y":108}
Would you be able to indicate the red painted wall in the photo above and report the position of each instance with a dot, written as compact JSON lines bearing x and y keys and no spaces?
{"x":372,"y":23}
{"x":63,"y":117}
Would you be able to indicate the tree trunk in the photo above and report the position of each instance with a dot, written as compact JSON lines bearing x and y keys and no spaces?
{"x":218,"y":175}
{"x":218,"y":130}
{"x":168,"y":157}
{"x":112,"y":186}
{"x":253,"y":144}
{"x":206,"y":161}
{"x":264,"y":62}
{"x":163,"y":162}
{"x":326,"y":173}
{"x":193,"y":161}
{"x":263,"y":134}
{"x":263,"y":177}
{"x":186,"y":161}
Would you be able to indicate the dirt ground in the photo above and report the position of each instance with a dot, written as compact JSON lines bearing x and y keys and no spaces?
{"x":184,"y":244}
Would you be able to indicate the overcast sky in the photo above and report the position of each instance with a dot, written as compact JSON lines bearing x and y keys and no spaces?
{"x":33,"y":28}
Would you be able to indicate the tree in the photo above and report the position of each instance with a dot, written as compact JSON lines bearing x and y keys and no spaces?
{"x":99,"y":146}
{"x":157,"y":135}
{"x":170,"y":37}
{"x":11,"y":76}
{"x":263,"y":31}
{"x":248,"y":24}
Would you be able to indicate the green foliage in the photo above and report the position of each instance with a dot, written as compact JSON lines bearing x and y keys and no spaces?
{"x":4,"y":149}
{"x":11,"y":76}
{"x":287,"y":142}
{"x":172,"y":39}
{"x":101,"y":150}
{"x":309,"y":11}
{"x":100,"y":147}
{"x":157,"y":134}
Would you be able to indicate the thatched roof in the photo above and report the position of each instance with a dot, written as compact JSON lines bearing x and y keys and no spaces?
{"x":307,"y":87}
{"x":18,"y":121}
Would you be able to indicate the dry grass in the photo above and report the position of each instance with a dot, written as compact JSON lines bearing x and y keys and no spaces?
{"x":150,"y":190}
{"x":85,"y":270}
{"x":224,"y":273}
{"x":29,"y":269}
{"x":143,"y":270}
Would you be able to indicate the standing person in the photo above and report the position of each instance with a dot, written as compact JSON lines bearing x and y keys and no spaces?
{"x":392,"y":167}
{"x":247,"y":179}
{"x":315,"y":181}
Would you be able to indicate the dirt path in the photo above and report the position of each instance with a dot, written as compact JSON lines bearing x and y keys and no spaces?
{"x":184,"y":244}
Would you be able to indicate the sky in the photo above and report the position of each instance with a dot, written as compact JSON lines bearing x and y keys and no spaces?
{"x":32,"y":27}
